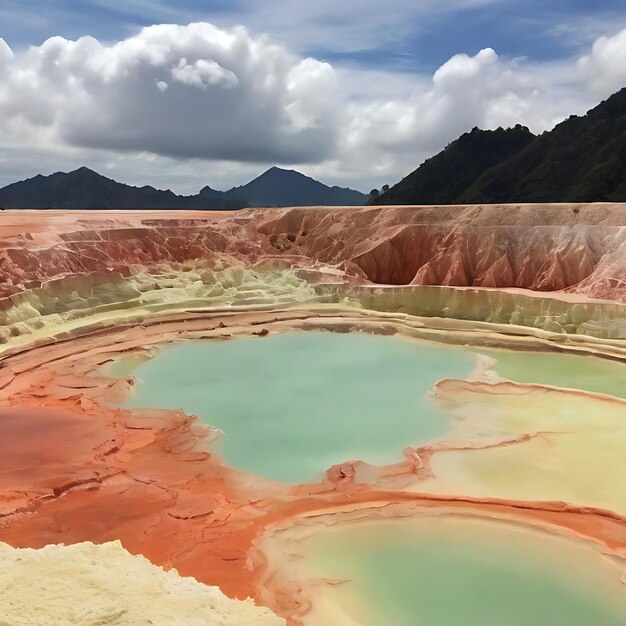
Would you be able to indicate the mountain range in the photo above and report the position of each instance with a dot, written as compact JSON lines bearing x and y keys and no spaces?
{"x":85,"y":189}
{"x":583,"y":159}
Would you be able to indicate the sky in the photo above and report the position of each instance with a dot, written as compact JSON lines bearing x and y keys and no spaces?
{"x":352,"y":92}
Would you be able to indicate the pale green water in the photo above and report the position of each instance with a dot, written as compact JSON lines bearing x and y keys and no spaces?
{"x":292,"y":405}
{"x":562,"y":370}
{"x":451,"y":572}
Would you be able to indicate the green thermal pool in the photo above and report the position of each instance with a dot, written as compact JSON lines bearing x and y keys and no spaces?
{"x":452,"y":572}
{"x":561,"y":370}
{"x":291,"y":405}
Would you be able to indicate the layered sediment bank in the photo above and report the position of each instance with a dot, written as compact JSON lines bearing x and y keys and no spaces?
{"x":485,"y":263}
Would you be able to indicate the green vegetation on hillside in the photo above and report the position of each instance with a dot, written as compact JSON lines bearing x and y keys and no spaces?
{"x":444,"y":177}
{"x":583,"y":159}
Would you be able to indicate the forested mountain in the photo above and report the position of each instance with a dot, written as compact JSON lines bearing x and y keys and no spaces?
{"x":583,"y":159}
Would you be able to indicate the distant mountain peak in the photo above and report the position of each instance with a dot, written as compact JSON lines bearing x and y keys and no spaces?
{"x":83,"y":188}
{"x":276,"y":171}
{"x":282,"y":187}
{"x":83,"y":172}
{"x":209,"y":191}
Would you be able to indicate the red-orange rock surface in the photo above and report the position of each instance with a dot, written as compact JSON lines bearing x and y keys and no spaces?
{"x":539,"y":247}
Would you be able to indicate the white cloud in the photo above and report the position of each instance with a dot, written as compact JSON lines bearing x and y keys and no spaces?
{"x":203,"y":74}
{"x":6,"y":54}
{"x":389,"y":136}
{"x":217,"y":105}
{"x":229,"y":95}
{"x":313,"y":89}
{"x":604,"y":68}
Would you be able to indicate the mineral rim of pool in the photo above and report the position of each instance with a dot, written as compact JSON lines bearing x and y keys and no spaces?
{"x":293,"y":404}
{"x":589,"y":373}
{"x":447,"y":571}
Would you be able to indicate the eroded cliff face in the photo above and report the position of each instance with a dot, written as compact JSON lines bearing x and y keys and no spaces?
{"x":540,"y":248}
{"x":530,"y":247}
{"x":56,"y":269}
